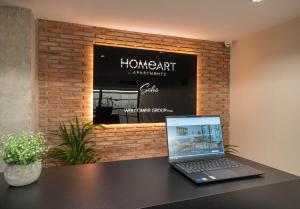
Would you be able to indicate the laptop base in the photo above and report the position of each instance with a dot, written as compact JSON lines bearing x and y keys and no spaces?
{"x":219,"y":174}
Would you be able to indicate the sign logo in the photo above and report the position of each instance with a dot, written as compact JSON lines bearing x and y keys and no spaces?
{"x":147,"y":88}
{"x":145,"y":67}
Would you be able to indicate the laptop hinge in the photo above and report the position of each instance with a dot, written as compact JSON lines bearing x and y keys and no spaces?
{"x":207,"y":157}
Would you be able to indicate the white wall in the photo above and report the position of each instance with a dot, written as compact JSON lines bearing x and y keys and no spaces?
{"x":265,"y":97}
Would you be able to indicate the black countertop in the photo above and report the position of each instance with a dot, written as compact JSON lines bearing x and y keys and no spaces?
{"x":283,"y":195}
{"x":122,"y":185}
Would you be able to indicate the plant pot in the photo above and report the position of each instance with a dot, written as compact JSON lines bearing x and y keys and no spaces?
{"x":21,"y":175}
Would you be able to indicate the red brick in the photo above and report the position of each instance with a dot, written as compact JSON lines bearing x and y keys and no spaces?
{"x":65,"y":84}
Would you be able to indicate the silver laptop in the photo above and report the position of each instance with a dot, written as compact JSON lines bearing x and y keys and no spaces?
{"x":196,"y":149}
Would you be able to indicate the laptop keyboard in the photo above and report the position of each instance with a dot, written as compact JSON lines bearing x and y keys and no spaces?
{"x":208,"y":165}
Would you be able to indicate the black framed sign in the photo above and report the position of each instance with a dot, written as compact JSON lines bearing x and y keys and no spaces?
{"x":142,"y":86}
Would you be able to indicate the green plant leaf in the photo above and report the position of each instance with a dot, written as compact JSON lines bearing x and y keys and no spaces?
{"x":22,"y":149}
{"x":230,"y":149}
{"x":77,"y":147}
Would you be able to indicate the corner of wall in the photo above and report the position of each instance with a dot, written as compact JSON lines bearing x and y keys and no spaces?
{"x":34,"y":74}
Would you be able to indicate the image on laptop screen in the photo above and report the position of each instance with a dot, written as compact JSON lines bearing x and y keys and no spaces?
{"x":194,"y":136}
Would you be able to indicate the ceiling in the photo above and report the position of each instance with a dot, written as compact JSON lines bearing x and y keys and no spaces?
{"x":216,"y":20}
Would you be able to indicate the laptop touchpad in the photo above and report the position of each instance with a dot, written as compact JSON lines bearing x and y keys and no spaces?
{"x":220,"y":174}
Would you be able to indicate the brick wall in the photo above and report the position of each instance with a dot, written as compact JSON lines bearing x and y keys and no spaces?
{"x":65,"y":84}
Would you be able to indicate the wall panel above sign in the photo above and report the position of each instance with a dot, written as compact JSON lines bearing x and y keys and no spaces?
{"x":142,"y":86}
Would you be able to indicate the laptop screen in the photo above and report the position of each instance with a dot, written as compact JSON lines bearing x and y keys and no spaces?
{"x":194,"y":136}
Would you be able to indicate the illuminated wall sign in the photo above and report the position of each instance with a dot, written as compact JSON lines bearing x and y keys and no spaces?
{"x":147,"y":65}
{"x":142,"y":86}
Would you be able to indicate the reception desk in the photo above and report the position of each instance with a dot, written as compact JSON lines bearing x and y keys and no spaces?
{"x":146,"y":183}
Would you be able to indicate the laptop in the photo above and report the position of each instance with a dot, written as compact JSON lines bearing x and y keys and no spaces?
{"x":196,"y":149}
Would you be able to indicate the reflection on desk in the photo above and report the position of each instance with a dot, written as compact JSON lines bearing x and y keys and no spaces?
{"x":275,"y":196}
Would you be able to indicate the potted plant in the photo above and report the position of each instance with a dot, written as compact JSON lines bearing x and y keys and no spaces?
{"x":22,"y":155}
{"x":77,"y":148}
